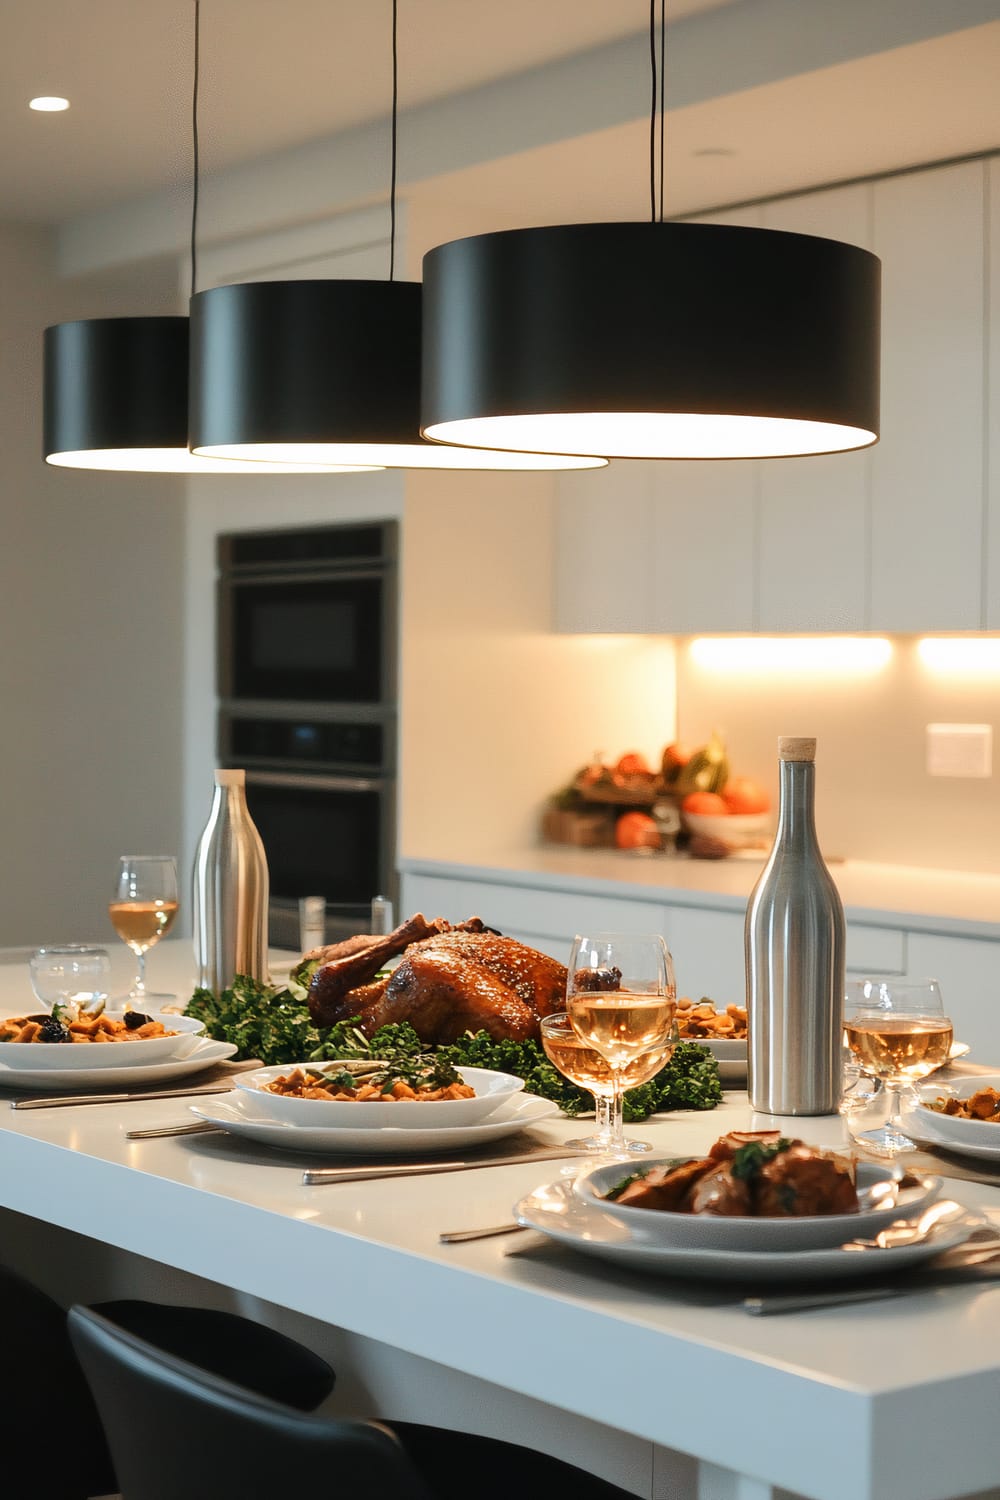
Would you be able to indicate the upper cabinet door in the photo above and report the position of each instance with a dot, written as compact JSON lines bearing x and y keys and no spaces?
{"x":603,"y":558}
{"x":928,"y":470}
{"x":705,"y":530}
{"x":814,"y":512}
{"x":992,"y":574}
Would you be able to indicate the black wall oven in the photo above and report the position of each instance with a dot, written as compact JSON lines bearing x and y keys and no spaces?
{"x":307,"y":704}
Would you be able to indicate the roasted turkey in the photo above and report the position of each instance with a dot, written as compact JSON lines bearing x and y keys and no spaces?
{"x":449,"y":980}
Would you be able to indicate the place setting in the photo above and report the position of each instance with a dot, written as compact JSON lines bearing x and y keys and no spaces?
{"x":762,"y":1209}
{"x":79,"y":1043}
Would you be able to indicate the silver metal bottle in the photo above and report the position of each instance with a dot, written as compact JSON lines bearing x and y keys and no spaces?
{"x":795,"y":958}
{"x":230,"y":890}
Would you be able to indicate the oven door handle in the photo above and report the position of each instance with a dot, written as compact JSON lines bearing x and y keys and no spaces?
{"x":299,"y":780}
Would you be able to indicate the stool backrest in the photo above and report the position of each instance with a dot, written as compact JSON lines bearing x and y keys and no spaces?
{"x":178,"y":1433}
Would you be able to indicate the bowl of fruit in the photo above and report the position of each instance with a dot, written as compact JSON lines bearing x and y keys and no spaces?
{"x":737,"y":815}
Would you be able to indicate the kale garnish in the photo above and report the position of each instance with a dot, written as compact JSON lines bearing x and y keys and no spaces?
{"x":273,"y":1023}
{"x":749,"y":1159}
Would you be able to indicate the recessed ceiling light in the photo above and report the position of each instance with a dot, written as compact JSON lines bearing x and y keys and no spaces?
{"x":48,"y":103}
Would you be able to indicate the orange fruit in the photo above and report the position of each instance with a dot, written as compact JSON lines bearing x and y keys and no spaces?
{"x":636,"y":830}
{"x":674,"y":756}
{"x":705,"y":802}
{"x":742,"y":795}
{"x":632,"y":764}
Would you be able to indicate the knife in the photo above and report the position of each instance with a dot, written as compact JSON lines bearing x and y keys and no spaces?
{"x":316,"y":1177}
{"x":59,"y":1102}
{"x":782,"y":1302}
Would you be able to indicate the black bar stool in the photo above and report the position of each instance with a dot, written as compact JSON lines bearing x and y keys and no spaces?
{"x":243,"y":1445}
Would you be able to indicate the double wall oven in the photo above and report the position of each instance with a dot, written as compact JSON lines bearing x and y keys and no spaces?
{"x":307,"y":632}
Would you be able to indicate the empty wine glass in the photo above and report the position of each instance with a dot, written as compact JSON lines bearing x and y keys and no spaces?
{"x":620,"y":999}
{"x":583,"y":1065}
{"x":899,"y":1034}
{"x":71,"y":973}
{"x":142,"y":909}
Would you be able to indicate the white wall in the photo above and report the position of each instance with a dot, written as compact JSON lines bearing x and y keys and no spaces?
{"x":497,"y":711}
{"x":90,"y":637}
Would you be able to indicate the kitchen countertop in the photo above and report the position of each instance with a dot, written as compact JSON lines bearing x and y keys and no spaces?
{"x":894,"y":1397}
{"x":923,"y":899}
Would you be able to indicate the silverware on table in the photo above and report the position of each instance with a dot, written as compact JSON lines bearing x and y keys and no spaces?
{"x":62,"y":1100}
{"x":782,"y":1302}
{"x":316,"y":1177}
{"x":197,"y":1127}
{"x":459,"y":1236}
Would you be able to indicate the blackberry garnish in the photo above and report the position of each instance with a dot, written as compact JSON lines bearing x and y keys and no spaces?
{"x":54,"y":1031}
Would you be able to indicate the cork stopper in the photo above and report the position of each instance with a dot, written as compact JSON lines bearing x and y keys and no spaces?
{"x":793,"y":747}
{"x":232,"y":778}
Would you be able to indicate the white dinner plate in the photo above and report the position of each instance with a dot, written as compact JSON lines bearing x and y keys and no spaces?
{"x":238,"y":1114}
{"x":979,"y":1138}
{"x":716,"y":1232}
{"x":205,"y":1054}
{"x":556,"y":1212}
{"x":79,"y":1057}
{"x":491,"y":1089}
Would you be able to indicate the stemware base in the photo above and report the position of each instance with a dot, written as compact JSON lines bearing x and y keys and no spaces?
{"x":603,"y":1146}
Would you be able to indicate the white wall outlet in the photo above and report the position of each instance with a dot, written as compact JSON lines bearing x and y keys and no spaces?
{"x":960,"y":750}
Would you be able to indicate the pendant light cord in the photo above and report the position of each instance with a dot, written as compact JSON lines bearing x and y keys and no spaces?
{"x":194,"y":146}
{"x":657,"y":79}
{"x":392,"y":172}
{"x":663,"y":96}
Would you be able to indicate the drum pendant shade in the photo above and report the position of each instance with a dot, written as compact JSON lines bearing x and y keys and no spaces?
{"x":116,"y":392}
{"x":322,"y":372}
{"x":116,"y":397}
{"x":658,"y":340}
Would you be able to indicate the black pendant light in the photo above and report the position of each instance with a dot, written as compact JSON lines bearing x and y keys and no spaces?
{"x":658,"y":340}
{"x":323,"y":372}
{"x":116,"y":389}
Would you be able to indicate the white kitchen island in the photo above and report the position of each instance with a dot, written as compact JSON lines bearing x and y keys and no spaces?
{"x":671,"y":1389}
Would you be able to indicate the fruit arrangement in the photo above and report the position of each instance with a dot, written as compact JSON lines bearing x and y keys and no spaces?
{"x":629,"y":805}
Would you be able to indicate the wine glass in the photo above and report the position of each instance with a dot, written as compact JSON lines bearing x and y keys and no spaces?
{"x":620,"y":999}
{"x":583,"y":1065}
{"x":859,"y":1089}
{"x":71,"y":973}
{"x":142,"y":909}
{"x":899,"y":1033}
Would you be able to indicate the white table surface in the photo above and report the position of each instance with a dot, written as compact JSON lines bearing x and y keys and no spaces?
{"x":895,"y":1398}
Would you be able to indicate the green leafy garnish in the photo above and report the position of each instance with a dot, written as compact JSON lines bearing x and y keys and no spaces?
{"x":755,"y":1154}
{"x":273,"y":1023}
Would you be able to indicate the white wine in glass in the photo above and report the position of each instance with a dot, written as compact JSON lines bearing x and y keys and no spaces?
{"x":620,"y":999}
{"x":142,"y":909}
{"x":899,"y":1034}
{"x":583,"y":1065}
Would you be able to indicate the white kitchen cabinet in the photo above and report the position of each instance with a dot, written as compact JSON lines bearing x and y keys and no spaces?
{"x":707,"y":949}
{"x":603,"y":557}
{"x":901,"y":537}
{"x":969,"y":973}
{"x":928,"y":469}
{"x":991,"y":581}
{"x":814,"y":512}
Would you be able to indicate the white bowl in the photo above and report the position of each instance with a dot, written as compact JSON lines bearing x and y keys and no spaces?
{"x":714,"y":1232}
{"x":952,"y":1129}
{"x":491,"y":1091}
{"x":734,"y":828}
{"x":73,"y":1056}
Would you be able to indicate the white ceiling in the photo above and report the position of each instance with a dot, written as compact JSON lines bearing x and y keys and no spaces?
{"x":279,"y":73}
{"x":274,"y":73}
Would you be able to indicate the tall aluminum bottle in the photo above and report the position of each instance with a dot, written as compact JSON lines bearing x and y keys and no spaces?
{"x":795,"y":958}
{"x":230,"y":890}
